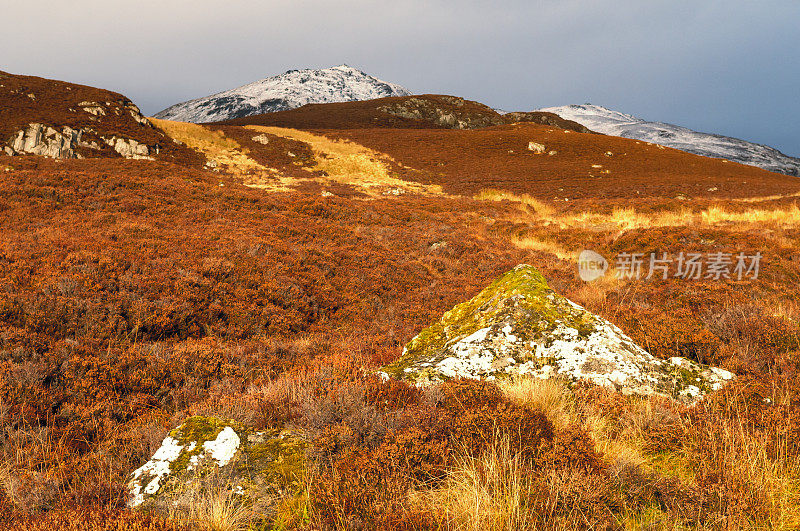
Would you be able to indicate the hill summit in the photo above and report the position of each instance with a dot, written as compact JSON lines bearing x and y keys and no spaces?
{"x":289,"y":90}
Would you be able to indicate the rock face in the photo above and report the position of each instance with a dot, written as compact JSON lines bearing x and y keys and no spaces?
{"x":129,"y":148}
{"x":39,"y":139}
{"x":258,"y":468}
{"x":519,"y":326}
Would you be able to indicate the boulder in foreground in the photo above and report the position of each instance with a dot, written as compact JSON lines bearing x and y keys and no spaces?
{"x":256,"y":468}
{"x":519,"y":326}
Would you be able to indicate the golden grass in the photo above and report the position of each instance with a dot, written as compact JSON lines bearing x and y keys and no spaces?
{"x":349,"y":163}
{"x":213,"y":506}
{"x":550,"y":396}
{"x":485,"y":493}
{"x":539,"y":208}
{"x":593,"y":294}
{"x":623,"y":219}
{"x":542,"y":246}
{"x":213,"y":144}
{"x":771,"y":471}
{"x":786,"y":216}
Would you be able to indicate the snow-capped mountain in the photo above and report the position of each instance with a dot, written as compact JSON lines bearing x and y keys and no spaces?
{"x":615,"y":123}
{"x":290,"y":90}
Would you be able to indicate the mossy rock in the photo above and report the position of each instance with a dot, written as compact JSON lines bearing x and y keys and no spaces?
{"x":260,"y":469}
{"x":519,"y":326}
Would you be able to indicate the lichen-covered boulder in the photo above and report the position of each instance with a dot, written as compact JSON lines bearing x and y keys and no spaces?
{"x":257,"y":467}
{"x":519,"y":326}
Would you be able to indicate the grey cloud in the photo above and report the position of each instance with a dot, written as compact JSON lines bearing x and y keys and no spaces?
{"x":726,"y":67}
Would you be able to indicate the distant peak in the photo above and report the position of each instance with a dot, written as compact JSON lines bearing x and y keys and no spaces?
{"x":292,"y":89}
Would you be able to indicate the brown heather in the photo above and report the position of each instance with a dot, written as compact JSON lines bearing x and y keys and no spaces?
{"x":134,"y":294}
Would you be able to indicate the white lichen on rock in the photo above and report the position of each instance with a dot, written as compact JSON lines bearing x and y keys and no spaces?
{"x":224,"y":447}
{"x":519,"y":326}
{"x":154,"y":470}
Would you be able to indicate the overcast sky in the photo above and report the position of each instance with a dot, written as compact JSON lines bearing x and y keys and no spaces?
{"x":730,"y":67}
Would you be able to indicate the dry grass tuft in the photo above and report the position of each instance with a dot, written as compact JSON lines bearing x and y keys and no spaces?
{"x":551,"y":397}
{"x":213,"y":506}
{"x":535,"y":244}
{"x":489,"y":492}
{"x":530,"y":204}
{"x":593,"y":295}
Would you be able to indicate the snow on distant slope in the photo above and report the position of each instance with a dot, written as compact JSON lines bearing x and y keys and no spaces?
{"x":290,"y":90}
{"x":615,"y":123}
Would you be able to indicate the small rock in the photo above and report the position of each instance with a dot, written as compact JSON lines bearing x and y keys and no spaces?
{"x":536,"y":147}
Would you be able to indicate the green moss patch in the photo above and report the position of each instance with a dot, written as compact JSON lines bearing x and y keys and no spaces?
{"x":521,"y":296}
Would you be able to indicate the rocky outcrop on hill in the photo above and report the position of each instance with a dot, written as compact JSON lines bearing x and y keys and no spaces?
{"x":41,"y":139}
{"x":129,"y":148}
{"x":457,"y":113}
{"x":519,"y":326}
{"x":445,"y":111}
{"x":256,"y":468}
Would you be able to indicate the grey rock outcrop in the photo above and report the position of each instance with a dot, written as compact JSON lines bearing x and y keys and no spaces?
{"x":39,"y":139}
{"x":137,"y":115}
{"x":129,"y":148}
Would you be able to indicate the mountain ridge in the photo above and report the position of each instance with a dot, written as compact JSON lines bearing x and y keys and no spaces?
{"x":610,"y":122}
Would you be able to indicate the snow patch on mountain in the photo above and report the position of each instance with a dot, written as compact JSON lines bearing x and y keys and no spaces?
{"x":290,"y":90}
{"x":606,"y":121}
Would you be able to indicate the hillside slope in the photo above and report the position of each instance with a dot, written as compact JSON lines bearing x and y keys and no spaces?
{"x":289,"y":90}
{"x":63,"y":120}
{"x":581,"y":166}
{"x":615,"y":123}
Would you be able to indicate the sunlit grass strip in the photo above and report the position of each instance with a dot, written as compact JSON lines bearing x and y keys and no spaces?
{"x":350,"y":163}
{"x":213,"y":144}
{"x":629,"y":219}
